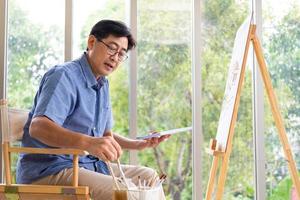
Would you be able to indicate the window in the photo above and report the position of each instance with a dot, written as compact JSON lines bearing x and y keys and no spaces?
{"x":35,"y":43}
{"x":281,"y":44}
{"x":221,"y":22}
{"x":164,"y":88}
{"x":164,"y":91}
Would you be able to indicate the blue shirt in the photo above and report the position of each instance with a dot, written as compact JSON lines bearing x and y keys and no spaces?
{"x":70,"y":96}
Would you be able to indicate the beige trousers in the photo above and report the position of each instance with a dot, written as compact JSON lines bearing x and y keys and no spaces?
{"x":100,"y":185}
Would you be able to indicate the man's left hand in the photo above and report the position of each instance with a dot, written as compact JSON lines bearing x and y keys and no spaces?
{"x":151,"y":142}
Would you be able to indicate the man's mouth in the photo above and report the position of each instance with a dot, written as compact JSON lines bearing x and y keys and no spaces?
{"x":108,"y":65}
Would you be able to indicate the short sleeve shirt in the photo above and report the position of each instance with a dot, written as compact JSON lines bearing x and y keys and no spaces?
{"x":71,"y":96}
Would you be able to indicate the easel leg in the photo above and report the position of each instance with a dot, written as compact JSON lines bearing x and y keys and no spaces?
{"x":212,"y":176}
{"x":223,"y":174}
{"x":276,"y":114}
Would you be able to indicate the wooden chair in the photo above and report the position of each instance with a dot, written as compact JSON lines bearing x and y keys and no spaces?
{"x":12,"y":123}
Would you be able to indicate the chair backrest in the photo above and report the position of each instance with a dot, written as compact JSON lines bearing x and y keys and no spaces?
{"x":12,"y":122}
{"x":17,"y":119}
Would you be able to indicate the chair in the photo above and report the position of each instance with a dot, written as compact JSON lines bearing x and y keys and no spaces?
{"x":12,"y":123}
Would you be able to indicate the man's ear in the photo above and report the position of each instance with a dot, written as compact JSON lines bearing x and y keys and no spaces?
{"x":91,"y":42}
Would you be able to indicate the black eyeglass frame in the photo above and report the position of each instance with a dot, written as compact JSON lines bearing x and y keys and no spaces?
{"x":111,"y":51}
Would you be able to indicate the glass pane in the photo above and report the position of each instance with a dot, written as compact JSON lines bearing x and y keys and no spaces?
{"x":164,"y":88}
{"x":86,"y":15}
{"x":282,"y":49}
{"x":221,"y":22}
{"x":35,"y":43}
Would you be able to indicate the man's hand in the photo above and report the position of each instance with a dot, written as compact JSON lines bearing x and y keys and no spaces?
{"x":48,"y":132}
{"x":135,"y":144}
{"x":105,"y":148}
{"x":151,"y":142}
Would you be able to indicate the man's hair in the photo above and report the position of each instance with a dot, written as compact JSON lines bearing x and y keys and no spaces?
{"x":104,"y":28}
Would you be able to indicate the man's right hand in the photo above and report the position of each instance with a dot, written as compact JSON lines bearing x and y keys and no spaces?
{"x":48,"y":132}
{"x":106,"y":148}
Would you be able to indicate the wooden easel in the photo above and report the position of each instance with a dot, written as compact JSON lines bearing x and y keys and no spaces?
{"x":221,"y":154}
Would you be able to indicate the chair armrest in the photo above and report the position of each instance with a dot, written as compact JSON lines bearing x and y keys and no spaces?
{"x":23,"y":189}
{"x":47,"y":151}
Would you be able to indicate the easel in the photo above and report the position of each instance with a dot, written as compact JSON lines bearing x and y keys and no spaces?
{"x":223,"y":154}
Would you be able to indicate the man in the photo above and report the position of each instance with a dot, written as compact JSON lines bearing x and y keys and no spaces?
{"x":72,"y":110}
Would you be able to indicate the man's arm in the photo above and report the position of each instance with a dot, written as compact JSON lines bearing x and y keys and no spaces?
{"x":134,"y":144}
{"x":48,"y":132}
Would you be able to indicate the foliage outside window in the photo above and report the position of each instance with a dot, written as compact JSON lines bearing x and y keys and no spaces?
{"x":164,"y":84}
{"x":281,"y":40}
{"x":164,"y":88}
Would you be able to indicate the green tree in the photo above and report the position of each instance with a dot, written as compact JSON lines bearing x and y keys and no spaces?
{"x":29,"y":55}
{"x":282,"y":55}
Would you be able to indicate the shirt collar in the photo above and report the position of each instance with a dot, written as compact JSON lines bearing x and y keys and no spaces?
{"x":88,"y":73}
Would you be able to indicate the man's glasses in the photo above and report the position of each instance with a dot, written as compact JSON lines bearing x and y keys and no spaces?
{"x":122,"y":55}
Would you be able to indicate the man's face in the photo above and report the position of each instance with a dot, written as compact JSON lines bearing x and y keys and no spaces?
{"x":100,"y":53}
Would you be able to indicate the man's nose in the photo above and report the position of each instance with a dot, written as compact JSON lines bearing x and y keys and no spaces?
{"x":115,"y":57}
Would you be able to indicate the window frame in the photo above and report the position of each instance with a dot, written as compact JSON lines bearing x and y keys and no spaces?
{"x":3,"y":62}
